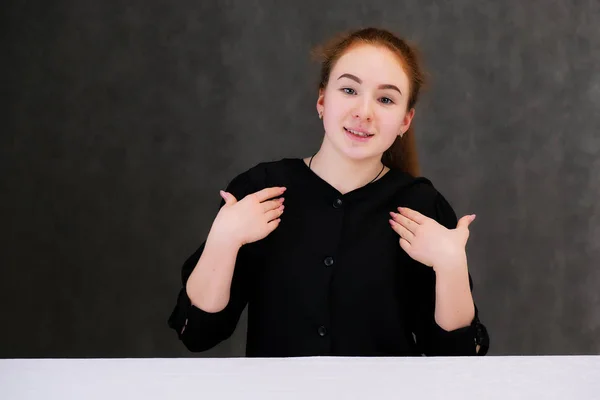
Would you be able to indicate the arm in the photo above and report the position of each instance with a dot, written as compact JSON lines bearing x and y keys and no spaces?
{"x":463,"y":339}
{"x":214,"y":292}
{"x":199,"y":329}
{"x":444,"y":317}
{"x":454,"y":307}
{"x":209,"y":284}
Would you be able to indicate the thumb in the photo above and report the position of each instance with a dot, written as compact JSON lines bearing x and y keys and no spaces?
{"x":465,"y":221}
{"x":228,"y":197}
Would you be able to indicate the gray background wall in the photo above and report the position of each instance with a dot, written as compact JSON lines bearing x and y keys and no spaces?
{"x":122,"y":120}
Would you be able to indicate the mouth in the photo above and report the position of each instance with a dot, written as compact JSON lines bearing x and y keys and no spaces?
{"x":358,"y":134}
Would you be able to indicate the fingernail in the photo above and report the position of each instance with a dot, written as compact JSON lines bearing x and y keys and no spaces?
{"x":283,"y":189}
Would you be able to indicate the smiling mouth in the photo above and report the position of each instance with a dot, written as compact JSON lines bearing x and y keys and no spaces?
{"x":357,"y":133}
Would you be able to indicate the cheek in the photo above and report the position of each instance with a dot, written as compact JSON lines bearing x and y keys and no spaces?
{"x":331,"y":122}
{"x":390,"y":125}
{"x":333,"y":104}
{"x":334,"y":113}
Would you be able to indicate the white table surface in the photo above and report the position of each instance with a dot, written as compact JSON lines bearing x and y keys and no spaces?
{"x":552,"y":377}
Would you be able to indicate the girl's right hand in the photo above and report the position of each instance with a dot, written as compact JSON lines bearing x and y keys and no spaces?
{"x":251,"y":219}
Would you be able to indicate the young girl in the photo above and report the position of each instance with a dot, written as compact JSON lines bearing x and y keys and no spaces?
{"x":344,"y":253}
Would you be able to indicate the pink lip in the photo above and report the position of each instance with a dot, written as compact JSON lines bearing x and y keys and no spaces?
{"x":359,"y":130}
{"x":352,"y":136}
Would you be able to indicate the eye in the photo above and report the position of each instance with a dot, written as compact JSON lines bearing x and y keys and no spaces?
{"x":348,"y":91}
{"x":386,"y":100}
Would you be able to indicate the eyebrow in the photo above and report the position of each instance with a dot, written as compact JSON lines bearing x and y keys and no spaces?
{"x":359,"y":81}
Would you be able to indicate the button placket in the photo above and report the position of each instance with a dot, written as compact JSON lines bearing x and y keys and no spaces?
{"x":329,"y":261}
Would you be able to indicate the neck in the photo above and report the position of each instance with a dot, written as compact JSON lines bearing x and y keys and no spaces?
{"x":343,"y":173}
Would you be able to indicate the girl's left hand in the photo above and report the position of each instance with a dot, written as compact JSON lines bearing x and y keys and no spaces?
{"x":428,"y":242}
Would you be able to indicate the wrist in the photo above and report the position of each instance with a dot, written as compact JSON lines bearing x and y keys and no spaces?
{"x":455,"y":262}
{"x":223,"y":242}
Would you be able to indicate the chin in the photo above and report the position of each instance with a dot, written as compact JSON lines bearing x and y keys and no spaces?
{"x":361,"y":154}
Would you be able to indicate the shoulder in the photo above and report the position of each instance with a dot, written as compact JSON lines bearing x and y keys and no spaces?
{"x":262,"y":175}
{"x":420,"y":194}
{"x":262,"y":171}
{"x":412,"y":189}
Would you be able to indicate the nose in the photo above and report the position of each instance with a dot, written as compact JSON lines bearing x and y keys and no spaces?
{"x":364,"y":110}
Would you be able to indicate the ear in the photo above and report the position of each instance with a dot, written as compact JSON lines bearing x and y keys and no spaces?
{"x":408,"y":117}
{"x":321,"y":101}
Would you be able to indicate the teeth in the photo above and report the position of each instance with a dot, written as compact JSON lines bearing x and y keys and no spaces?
{"x":357,"y":133}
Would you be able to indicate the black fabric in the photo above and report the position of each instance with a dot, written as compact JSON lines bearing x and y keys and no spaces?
{"x":331,"y":280}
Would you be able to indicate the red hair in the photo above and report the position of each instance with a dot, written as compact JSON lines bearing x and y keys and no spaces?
{"x":403,"y":152}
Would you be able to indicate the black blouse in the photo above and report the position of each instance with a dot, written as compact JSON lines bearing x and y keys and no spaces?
{"x":332,"y":279}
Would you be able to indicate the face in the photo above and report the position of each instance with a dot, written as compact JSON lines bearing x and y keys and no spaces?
{"x":364,"y":105}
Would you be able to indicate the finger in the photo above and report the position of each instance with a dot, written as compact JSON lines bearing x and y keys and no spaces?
{"x":465,"y":221}
{"x":272,"y":204}
{"x":228,"y":197}
{"x":402,"y":231}
{"x":274,"y":214}
{"x":273,"y":224}
{"x":405,"y":245}
{"x":409,"y":224}
{"x":412,"y":214}
{"x":269,"y":193}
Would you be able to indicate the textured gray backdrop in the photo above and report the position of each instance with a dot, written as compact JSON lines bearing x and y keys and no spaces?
{"x":125,"y":118}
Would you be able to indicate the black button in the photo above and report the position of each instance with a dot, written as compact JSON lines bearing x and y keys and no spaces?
{"x":322,"y":331}
{"x":328,"y":261}
{"x":337,"y":203}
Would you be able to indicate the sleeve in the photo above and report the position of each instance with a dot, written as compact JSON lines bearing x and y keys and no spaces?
{"x":200,"y":330}
{"x":431,"y":339}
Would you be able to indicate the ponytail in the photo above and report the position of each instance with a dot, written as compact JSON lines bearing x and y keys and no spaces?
{"x":402,"y":154}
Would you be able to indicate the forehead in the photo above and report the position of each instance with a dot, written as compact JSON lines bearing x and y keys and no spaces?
{"x":372,"y":64}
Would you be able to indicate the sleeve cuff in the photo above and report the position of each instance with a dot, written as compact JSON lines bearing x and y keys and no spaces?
{"x":463,"y":341}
